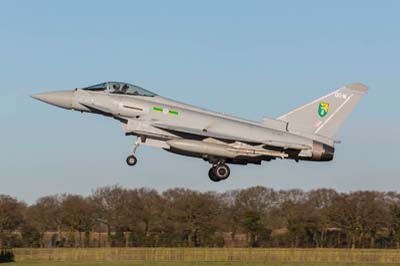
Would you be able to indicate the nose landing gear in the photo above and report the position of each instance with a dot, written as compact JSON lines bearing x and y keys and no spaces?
{"x":219,"y":172}
{"x":132,"y":160}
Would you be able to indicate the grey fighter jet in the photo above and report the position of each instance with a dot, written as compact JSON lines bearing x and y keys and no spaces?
{"x":306,"y":133}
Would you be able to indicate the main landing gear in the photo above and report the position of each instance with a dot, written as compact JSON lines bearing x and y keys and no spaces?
{"x":219,"y":172}
{"x":132,"y":160}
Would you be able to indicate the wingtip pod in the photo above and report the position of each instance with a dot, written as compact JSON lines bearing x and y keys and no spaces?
{"x":357,"y":87}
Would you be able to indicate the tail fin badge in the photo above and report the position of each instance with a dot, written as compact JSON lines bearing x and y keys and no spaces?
{"x":323,"y":109}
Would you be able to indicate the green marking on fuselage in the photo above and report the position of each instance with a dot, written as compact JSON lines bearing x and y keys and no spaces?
{"x":173,"y":112}
{"x":165,"y":111}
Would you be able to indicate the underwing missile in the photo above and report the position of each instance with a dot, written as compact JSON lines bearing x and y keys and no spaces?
{"x":223,"y":150}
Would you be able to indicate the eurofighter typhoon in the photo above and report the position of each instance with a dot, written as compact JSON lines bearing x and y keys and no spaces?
{"x":304,"y":134}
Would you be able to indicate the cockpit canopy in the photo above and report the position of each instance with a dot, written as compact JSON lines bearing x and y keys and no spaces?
{"x":115,"y":87}
{"x":97,"y":87}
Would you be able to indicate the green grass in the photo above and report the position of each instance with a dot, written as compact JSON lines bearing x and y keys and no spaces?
{"x":142,"y":263}
{"x":204,"y":256}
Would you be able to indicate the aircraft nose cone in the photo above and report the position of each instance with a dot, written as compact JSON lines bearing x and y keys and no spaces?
{"x":61,"y":99}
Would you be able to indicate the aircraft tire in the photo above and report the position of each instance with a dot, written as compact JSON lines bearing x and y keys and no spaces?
{"x":211,"y":175}
{"x":131,"y":160}
{"x":222,"y":171}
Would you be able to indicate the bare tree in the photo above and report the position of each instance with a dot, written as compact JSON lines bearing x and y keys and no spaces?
{"x":11,"y":216}
{"x":194,"y":215}
{"x":78,"y":214}
{"x":45,"y":215}
{"x":182,"y":217}
{"x":110,"y":207}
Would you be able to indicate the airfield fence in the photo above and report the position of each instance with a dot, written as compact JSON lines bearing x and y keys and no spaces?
{"x":210,"y":255}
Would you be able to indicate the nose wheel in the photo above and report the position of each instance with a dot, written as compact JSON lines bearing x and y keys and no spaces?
{"x":131,"y":160}
{"x":219,"y":172}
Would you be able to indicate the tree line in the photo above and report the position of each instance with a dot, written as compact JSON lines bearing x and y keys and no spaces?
{"x":261,"y":217}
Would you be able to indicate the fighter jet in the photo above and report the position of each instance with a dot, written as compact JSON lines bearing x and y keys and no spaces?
{"x":304,"y":134}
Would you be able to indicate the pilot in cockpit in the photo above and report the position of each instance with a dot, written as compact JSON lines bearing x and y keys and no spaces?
{"x":125,"y":88}
{"x":116,"y":87}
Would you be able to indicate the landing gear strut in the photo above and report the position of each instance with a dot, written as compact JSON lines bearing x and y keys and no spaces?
{"x":219,"y":172}
{"x":132,"y":160}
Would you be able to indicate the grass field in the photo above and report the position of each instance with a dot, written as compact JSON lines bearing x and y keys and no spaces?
{"x":138,"y":263}
{"x":204,"y":256}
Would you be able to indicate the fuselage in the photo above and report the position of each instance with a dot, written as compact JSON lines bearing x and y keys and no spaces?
{"x":139,"y":113}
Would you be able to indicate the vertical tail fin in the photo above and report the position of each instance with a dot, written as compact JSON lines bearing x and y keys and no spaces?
{"x":325,"y":115}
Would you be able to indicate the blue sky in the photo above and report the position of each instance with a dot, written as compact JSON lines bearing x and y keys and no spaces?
{"x":251,"y":59}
